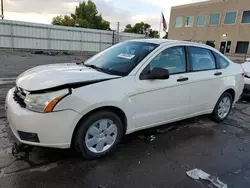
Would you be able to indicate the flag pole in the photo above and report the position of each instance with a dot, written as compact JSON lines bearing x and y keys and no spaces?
{"x":160,"y":25}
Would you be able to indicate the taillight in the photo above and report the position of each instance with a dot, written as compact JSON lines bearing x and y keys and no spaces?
{"x":243,"y":72}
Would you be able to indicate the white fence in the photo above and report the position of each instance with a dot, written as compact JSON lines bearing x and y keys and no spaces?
{"x":25,"y":35}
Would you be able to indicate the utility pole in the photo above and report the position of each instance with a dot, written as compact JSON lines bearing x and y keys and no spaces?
{"x":2,"y":9}
{"x":117,"y":32}
{"x":118,"y":27}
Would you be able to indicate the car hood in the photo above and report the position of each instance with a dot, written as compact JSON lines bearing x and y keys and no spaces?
{"x":50,"y":76}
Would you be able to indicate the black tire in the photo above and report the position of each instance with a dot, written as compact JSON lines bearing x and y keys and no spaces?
{"x":84,"y":126}
{"x":215,"y":113}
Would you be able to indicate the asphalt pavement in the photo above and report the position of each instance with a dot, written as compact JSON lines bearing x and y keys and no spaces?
{"x":153,"y":158}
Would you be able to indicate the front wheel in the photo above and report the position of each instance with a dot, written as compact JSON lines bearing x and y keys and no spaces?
{"x":223,"y":107}
{"x":98,"y":134}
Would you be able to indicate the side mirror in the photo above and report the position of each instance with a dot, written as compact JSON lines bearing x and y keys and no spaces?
{"x":157,"y":74}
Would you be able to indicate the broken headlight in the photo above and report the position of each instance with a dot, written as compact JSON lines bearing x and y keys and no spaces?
{"x":44,"y":102}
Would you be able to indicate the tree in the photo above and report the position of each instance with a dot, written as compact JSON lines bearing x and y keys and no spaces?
{"x":154,"y":34}
{"x":86,"y":16}
{"x":129,"y":29}
{"x":166,"y":36}
{"x":141,"y":28}
{"x":63,"y":20}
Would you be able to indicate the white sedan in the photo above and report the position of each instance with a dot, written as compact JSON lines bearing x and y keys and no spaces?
{"x":246,"y":67}
{"x":128,"y":87}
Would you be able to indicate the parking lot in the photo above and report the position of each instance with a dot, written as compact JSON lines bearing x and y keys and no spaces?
{"x":157,"y":157}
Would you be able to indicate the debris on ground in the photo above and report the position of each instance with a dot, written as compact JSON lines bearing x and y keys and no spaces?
{"x":67,"y":53}
{"x":238,"y":171}
{"x":38,"y":52}
{"x":19,"y":148}
{"x":103,"y":186}
{"x":142,"y":137}
{"x":152,"y":137}
{"x":51,"y":52}
{"x":147,"y":138}
{"x":199,"y":174}
{"x":166,"y":130}
{"x":243,"y":149}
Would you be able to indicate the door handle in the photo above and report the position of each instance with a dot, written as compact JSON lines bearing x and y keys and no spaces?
{"x":217,"y":73}
{"x":182,"y":79}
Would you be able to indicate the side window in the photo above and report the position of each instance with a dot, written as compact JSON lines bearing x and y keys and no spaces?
{"x":173,"y":59}
{"x":221,"y":61}
{"x":201,"y":59}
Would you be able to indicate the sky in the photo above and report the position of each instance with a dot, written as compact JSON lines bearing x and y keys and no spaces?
{"x":124,"y":11}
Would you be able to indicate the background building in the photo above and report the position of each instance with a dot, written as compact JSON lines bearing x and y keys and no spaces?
{"x":224,"y":24}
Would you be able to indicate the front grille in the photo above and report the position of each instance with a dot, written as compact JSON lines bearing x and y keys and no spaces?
{"x":19,"y":96}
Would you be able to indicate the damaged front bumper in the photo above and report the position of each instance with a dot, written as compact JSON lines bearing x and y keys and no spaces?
{"x":53,"y":129}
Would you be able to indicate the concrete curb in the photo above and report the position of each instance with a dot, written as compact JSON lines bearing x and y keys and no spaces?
{"x":7,"y":80}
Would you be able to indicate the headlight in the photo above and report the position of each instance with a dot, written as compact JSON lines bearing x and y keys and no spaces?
{"x":44,"y":102}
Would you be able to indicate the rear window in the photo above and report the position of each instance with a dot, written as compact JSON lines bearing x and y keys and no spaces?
{"x":221,"y":61}
{"x":201,"y":59}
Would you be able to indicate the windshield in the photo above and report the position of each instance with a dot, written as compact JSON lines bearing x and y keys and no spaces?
{"x":122,"y":58}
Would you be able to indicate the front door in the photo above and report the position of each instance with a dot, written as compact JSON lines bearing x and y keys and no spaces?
{"x":160,"y":101}
{"x":222,"y":47}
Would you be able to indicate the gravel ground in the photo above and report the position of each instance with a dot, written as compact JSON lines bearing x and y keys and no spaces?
{"x":14,"y":63}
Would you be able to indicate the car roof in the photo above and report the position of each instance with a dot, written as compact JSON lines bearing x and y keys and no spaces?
{"x":166,"y":41}
{"x":155,"y":41}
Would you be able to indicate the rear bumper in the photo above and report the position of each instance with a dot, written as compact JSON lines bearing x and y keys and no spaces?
{"x":246,"y":89}
{"x":41,"y":129}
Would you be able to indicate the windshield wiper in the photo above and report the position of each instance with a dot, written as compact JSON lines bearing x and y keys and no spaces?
{"x":93,"y":67}
{"x":111,"y":72}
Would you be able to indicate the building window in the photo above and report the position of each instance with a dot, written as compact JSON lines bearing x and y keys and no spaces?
{"x":215,"y":19}
{"x":246,"y":17}
{"x":178,"y":22}
{"x":201,"y":20}
{"x":211,"y":43}
{"x":228,"y":47}
{"x":242,"y":47}
{"x":230,"y":18}
{"x":189,"y":21}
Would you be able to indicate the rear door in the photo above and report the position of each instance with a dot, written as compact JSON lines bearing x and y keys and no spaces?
{"x":206,"y":78}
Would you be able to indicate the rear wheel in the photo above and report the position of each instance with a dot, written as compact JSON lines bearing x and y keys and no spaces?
{"x":223,"y":107}
{"x":98,"y":134}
